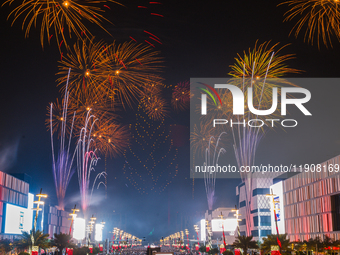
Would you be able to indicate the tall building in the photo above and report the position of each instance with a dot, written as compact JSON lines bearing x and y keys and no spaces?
{"x":311,"y":202}
{"x":255,"y":216}
{"x":15,"y":206}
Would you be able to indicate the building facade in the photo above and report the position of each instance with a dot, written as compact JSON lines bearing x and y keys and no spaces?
{"x":311,"y":202}
{"x":254,"y":206}
{"x":14,"y":202}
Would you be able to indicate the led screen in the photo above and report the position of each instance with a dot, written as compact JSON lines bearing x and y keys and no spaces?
{"x":79,"y":228}
{"x":18,"y":218}
{"x":229,"y":225}
{"x":99,"y":233}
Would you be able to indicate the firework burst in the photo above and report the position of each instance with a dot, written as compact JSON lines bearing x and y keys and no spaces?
{"x":127,"y":69}
{"x":57,"y":18}
{"x":320,"y":19}
{"x":110,"y":138}
{"x":83,"y":59}
{"x":180,"y":99}
{"x":58,"y":118}
{"x":255,"y":63}
{"x":153,"y":104}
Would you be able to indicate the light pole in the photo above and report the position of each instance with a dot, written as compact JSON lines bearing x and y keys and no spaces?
{"x":187,"y":234}
{"x":237,"y":218}
{"x":196,"y":229}
{"x":73,"y":217}
{"x":38,"y":203}
{"x":275,"y":217}
{"x":91,"y":222}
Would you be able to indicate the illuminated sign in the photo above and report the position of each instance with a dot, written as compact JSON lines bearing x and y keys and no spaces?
{"x":202,"y":230}
{"x":18,"y":218}
{"x":277,"y":203}
{"x":99,"y":232}
{"x":229,"y":225}
{"x":79,"y":228}
{"x":277,"y":207}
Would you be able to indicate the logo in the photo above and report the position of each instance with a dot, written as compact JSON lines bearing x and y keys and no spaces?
{"x":238,"y":99}
{"x":238,"y":104}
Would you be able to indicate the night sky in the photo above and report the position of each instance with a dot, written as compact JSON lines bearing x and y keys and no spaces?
{"x":200,"y":39}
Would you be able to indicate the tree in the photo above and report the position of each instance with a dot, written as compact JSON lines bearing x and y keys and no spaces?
{"x":6,"y":246}
{"x":313,"y":244}
{"x":62,"y":241}
{"x":272,"y":240}
{"x":203,"y":248}
{"x":245,"y":243}
{"x":33,"y":238}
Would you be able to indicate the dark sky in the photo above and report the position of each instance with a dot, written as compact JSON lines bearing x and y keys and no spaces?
{"x":200,"y":39}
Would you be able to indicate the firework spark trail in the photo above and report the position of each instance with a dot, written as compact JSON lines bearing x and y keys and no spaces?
{"x":210,"y":178}
{"x":55,"y":16}
{"x":86,"y":159}
{"x":104,"y":174}
{"x":245,"y":145}
{"x":62,"y":170}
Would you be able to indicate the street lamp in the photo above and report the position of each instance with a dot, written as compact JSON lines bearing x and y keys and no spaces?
{"x":277,"y":229}
{"x":187,"y":234}
{"x":38,"y":203}
{"x":237,"y":218}
{"x":91,"y":222}
{"x":196,"y":229}
{"x":73,"y":216}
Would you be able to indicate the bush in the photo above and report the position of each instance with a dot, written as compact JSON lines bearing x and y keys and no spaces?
{"x":81,"y":251}
{"x":214,"y":251}
{"x":202,"y":249}
{"x":228,"y":252}
{"x":95,"y":250}
{"x":23,"y":253}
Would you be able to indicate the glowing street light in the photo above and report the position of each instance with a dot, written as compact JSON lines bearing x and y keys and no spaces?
{"x":38,"y":203}
{"x":73,"y":216}
{"x":237,"y":218}
{"x":275,"y":217}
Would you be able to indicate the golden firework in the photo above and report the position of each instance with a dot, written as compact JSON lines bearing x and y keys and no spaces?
{"x":58,"y":118}
{"x":85,"y":76}
{"x":320,"y":19}
{"x":127,"y":69}
{"x":59,"y":17}
{"x":181,"y":96}
{"x":256,"y":62}
{"x":97,"y":107}
{"x":110,"y":138}
{"x":155,"y":107}
{"x":203,"y":135}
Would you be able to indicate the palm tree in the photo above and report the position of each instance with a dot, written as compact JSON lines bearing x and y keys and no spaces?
{"x":313,"y":244}
{"x":272,"y":240}
{"x":245,"y":243}
{"x":33,"y":238}
{"x":63,"y":241}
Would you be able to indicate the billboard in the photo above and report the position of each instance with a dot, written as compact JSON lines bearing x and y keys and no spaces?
{"x":79,"y":227}
{"x":202,"y":230}
{"x":18,"y":218}
{"x":99,"y":233}
{"x":229,"y":225}
{"x":277,"y":203}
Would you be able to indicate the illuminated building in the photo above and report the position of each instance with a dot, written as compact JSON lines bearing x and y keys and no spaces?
{"x":14,"y":198}
{"x":56,"y":221}
{"x":258,"y":211}
{"x":311,"y":202}
{"x":218,"y":219}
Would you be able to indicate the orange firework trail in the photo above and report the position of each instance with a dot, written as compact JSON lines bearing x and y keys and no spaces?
{"x":320,"y":19}
{"x":55,"y":15}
